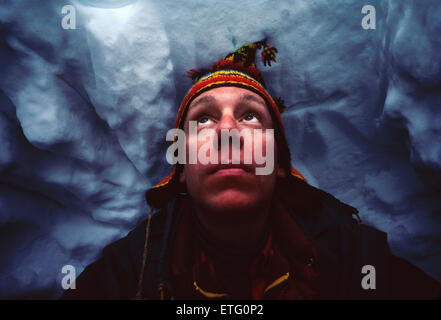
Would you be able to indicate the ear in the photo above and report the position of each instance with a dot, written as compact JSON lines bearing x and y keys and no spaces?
{"x":281,"y":173}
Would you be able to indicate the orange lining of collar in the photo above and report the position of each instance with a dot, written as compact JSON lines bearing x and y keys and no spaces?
{"x":277,"y":282}
{"x":222,"y":295}
{"x":209,"y":294}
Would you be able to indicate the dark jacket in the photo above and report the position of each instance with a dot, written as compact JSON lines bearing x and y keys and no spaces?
{"x":344,"y":246}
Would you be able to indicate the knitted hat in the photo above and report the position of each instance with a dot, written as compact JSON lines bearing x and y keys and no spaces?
{"x":237,"y":69}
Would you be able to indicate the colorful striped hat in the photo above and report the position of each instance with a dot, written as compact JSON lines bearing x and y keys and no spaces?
{"x":237,"y":69}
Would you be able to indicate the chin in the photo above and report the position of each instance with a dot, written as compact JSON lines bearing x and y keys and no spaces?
{"x":233,"y":201}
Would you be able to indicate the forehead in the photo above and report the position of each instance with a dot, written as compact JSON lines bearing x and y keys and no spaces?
{"x":231,"y":95}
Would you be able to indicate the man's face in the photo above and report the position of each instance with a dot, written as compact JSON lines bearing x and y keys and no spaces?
{"x":229,"y":187}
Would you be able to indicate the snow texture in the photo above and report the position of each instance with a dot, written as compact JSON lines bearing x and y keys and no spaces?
{"x":84,"y":113}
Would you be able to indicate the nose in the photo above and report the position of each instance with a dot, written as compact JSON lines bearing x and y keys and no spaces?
{"x":227,"y":122}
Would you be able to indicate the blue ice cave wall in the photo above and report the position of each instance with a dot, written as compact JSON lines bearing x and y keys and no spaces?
{"x":84,"y":113}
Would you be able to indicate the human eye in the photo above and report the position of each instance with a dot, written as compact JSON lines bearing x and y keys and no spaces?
{"x":203,"y":120}
{"x":250,"y":118}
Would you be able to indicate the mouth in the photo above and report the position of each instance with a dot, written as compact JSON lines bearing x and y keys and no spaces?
{"x":232,"y":169}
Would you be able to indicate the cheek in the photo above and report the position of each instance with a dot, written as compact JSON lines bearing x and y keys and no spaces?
{"x":264,"y":148}
{"x":194,"y":143}
{"x":189,"y":175}
{"x":193,"y":178}
{"x":267,"y":143}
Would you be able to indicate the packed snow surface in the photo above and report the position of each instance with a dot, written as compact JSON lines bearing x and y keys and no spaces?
{"x":84,"y":114}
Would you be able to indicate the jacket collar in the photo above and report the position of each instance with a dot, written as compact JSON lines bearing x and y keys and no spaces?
{"x":287,"y":254}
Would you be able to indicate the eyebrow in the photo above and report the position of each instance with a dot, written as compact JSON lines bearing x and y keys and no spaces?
{"x":211,"y":100}
{"x":203,"y":100}
{"x":248,"y":98}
